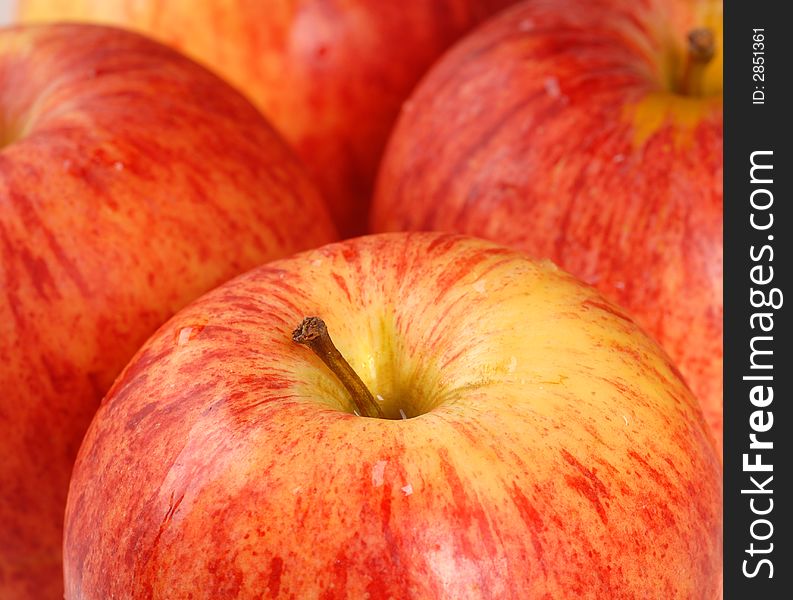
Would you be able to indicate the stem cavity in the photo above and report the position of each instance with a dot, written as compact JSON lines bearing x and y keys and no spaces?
{"x":313,"y":332}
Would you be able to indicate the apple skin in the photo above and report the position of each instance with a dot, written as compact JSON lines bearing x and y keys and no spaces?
{"x":131,"y":181}
{"x":559,"y":454}
{"x":552,"y":129}
{"x":331,"y":76}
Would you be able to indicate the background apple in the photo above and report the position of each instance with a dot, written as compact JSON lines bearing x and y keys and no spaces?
{"x":551,"y":450}
{"x":330,"y":75}
{"x":581,"y":131}
{"x":131,"y":181}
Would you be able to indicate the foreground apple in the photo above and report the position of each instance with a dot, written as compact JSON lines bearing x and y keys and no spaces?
{"x":584,"y":131}
{"x":131,"y":181}
{"x":330,"y":75}
{"x":548,"y":448}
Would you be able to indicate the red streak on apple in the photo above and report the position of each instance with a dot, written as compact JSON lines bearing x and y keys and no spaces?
{"x":131,"y":181}
{"x":589,"y":486}
{"x":541,"y":460}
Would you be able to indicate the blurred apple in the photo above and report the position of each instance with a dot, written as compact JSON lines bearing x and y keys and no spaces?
{"x":589,"y":132}
{"x":535,"y":443}
{"x":131,"y":181}
{"x":330,"y":75}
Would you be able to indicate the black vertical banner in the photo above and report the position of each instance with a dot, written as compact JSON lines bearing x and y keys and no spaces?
{"x":758,"y":300}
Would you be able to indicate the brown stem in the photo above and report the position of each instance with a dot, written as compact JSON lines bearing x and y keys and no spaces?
{"x":313,"y":332}
{"x":701,"y":49}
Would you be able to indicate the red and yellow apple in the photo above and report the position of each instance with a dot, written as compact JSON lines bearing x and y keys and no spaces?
{"x":589,"y":132}
{"x":535,"y":443}
{"x":331,"y":76}
{"x":131,"y":181}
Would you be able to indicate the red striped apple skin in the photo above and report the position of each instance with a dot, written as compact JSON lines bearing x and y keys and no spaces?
{"x":131,"y":181}
{"x":557,"y":454}
{"x":330,"y":74}
{"x":552,"y":129}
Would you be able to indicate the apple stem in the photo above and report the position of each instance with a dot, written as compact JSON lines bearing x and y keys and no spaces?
{"x":701,"y":49}
{"x":313,"y":332}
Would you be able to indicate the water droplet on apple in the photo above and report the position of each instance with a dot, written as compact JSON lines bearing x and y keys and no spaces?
{"x":407,"y":490}
{"x":184,"y":336}
{"x":526,"y":25}
{"x":378,"y":473}
{"x":552,"y":87}
{"x":549,"y":265}
{"x":118,"y":166}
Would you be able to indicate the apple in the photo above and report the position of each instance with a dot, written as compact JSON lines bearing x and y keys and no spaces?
{"x":331,"y":76}
{"x":588,"y":132}
{"x":534,"y":442}
{"x":131,"y":182}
